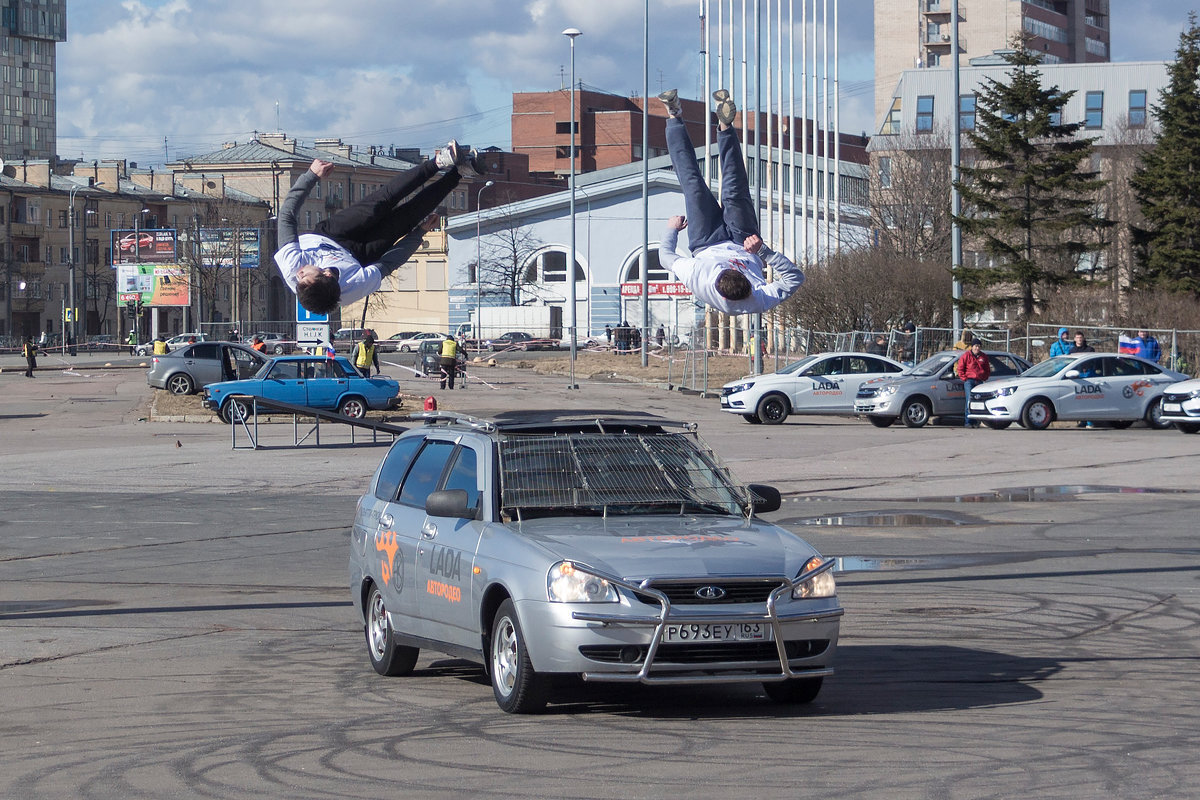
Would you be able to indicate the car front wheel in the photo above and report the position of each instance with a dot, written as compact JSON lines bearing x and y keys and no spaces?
{"x":404,"y":348}
{"x":518,"y":688}
{"x":1037,"y":414}
{"x":279,"y":349}
{"x":387,"y":657}
{"x":772,"y":409}
{"x":228,"y":410}
{"x":353,"y":407}
{"x":795,"y":690}
{"x":882,"y":422}
{"x":752,"y":419}
{"x":1153,"y":416}
{"x":1188,"y":427}
{"x":916,"y":413}
{"x":180,"y":384}
{"x":997,"y":424}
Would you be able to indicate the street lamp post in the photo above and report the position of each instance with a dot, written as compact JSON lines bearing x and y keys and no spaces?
{"x":478,"y":333}
{"x":73,"y":334}
{"x":572,"y":33}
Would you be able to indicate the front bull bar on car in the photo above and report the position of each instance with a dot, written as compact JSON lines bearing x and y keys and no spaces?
{"x":664,"y":618}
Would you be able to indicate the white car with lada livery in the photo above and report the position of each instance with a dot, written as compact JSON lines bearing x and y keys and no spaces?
{"x":825,"y":383}
{"x":1112,"y":388}
{"x":1181,"y":405}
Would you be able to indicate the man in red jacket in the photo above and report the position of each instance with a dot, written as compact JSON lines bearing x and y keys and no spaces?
{"x":973,"y":368}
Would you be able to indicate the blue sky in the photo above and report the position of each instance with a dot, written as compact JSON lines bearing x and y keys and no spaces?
{"x":156,"y":80}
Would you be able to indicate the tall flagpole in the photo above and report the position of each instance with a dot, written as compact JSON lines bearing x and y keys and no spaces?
{"x":837,"y":141}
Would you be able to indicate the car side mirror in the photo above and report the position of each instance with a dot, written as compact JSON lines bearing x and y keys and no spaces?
{"x":449,"y":503}
{"x":766,"y":498}
{"x":1071,"y":373}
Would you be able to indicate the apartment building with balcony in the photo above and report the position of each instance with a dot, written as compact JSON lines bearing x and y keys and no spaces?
{"x":29,"y":33}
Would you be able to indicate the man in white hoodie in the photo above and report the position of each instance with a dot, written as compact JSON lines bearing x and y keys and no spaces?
{"x":726,"y":270}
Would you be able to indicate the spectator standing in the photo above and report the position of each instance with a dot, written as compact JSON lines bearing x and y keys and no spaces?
{"x":660,"y":336}
{"x":160,"y":346}
{"x":608,"y":334}
{"x":1062,"y":346}
{"x":30,"y":352}
{"x":879,"y":346}
{"x":1081,"y":345}
{"x":1147,"y":347}
{"x":365,"y":355}
{"x":906,"y":344}
{"x":973,"y":368}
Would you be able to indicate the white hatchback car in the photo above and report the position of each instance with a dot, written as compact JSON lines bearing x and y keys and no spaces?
{"x":1104,"y":387}
{"x":1181,"y":405}
{"x":825,"y":383}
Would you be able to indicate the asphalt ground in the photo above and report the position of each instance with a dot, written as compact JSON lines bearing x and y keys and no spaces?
{"x":1022,"y":618}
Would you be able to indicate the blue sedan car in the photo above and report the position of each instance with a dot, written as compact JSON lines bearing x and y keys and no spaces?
{"x":313,"y":381}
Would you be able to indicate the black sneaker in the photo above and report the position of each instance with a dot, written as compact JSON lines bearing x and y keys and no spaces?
{"x":670,"y":99}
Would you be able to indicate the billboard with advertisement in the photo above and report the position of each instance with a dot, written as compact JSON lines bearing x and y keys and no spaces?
{"x":155,"y":246}
{"x":220,"y":247}
{"x":153,"y":284}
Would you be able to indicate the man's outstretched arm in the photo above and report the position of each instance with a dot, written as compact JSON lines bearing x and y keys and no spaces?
{"x":670,"y":260}
{"x":788,"y":276}
{"x":289,"y":210}
{"x":403,"y":250}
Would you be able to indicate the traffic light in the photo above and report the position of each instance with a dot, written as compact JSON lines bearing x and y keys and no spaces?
{"x":131,"y":308}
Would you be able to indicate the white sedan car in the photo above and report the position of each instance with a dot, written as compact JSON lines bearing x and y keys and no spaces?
{"x":413,"y":343}
{"x":1181,"y":405}
{"x":825,"y":383}
{"x":1104,"y":387}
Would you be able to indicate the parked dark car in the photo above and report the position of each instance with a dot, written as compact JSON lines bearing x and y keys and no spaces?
{"x":519,"y":340}
{"x":194,"y":366}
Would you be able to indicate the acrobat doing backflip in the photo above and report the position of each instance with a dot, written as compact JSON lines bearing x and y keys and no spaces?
{"x":350,"y":253}
{"x":726,"y":270}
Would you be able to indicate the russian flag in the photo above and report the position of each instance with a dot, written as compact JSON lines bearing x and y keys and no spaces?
{"x":1128,"y":345}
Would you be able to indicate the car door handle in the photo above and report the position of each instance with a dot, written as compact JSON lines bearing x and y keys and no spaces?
{"x":428,"y":530}
{"x":385,"y":520}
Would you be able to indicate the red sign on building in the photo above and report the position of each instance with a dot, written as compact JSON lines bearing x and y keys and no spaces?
{"x":657,"y":289}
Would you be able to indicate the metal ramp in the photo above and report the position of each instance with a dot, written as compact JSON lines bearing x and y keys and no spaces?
{"x":248,"y":424}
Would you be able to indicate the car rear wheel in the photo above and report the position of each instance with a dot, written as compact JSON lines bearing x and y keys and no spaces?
{"x":795,"y":690}
{"x":404,"y":348}
{"x":227,"y":409}
{"x":387,"y":657}
{"x":1153,"y":416}
{"x":279,"y":349}
{"x":353,"y":407}
{"x":1037,"y":414}
{"x":882,"y":422}
{"x":916,"y":413}
{"x":518,"y":688}
{"x":997,"y":424}
{"x":752,"y":419}
{"x":772,"y":409}
{"x":1188,"y":427}
{"x":180,"y":383}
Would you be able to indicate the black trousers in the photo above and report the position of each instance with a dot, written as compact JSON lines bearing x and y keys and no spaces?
{"x":369,"y":227}
{"x":449,"y":368}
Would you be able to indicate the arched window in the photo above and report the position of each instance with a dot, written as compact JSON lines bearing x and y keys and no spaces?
{"x":632,"y":273}
{"x":551,"y":266}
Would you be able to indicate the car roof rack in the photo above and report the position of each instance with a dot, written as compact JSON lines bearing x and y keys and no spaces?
{"x":455,"y":418}
{"x":513,"y":421}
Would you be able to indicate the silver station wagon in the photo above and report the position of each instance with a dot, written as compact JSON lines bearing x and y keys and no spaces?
{"x":609,"y":546}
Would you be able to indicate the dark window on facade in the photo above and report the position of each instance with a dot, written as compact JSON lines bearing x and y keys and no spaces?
{"x":1137,"y":108}
{"x":1094,"y":116}
{"x":966,"y":112}
{"x":925,"y":113}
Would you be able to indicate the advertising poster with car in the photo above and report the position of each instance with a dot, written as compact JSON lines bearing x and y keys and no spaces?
{"x":222,"y":247}
{"x":156,"y":246}
{"x":153,"y":284}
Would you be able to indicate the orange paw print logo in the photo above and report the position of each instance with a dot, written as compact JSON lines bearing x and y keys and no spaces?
{"x":385,"y":542}
{"x":1137,"y":387}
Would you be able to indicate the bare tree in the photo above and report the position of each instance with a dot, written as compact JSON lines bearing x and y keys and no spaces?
{"x":506,"y":255}
{"x":910,"y":197}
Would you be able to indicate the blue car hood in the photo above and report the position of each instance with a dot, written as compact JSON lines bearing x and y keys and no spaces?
{"x":685,"y":546}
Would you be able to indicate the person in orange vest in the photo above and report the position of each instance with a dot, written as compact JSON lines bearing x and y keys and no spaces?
{"x":973,"y":368}
{"x":258,"y":345}
{"x":449,"y":361}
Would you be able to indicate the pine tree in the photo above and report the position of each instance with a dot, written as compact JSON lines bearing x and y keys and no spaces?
{"x":1168,"y":183}
{"x":1026,"y":199}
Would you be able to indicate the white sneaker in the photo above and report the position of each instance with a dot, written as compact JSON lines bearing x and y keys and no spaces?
{"x":447,"y":156}
{"x":670,"y":99}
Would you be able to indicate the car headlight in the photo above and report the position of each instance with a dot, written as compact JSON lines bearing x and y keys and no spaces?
{"x":566,"y":583}
{"x":821,"y":585}
{"x":740,"y":387}
{"x":1007,"y":391}
{"x":1195,"y":392}
{"x":888,"y":390}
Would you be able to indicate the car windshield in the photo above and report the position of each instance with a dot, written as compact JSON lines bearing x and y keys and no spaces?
{"x":932,"y":365}
{"x":1051,"y":366}
{"x":796,"y":366}
{"x":595,"y":474}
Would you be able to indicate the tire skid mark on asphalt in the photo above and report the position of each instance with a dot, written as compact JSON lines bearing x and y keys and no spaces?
{"x":230,"y":537}
{"x":123,"y":646}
